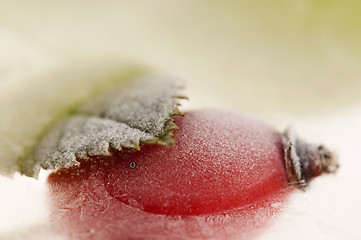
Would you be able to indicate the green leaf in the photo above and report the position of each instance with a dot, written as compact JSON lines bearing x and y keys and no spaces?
{"x":126,"y":117}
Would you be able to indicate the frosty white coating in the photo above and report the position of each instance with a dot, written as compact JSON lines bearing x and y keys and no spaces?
{"x":147,"y":104}
{"x":139,"y":113}
{"x":81,"y":136}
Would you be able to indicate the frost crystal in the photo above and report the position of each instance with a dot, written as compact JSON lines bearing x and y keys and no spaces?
{"x":139,"y":113}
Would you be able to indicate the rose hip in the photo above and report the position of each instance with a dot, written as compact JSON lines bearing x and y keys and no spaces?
{"x":221,"y":162}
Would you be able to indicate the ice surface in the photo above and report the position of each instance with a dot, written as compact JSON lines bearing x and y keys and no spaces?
{"x":123,"y":118}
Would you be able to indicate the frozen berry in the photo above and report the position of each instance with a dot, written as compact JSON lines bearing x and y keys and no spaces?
{"x":220,"y":162}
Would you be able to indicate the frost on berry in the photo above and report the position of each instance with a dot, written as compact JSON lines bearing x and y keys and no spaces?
{"x":140,"y":113}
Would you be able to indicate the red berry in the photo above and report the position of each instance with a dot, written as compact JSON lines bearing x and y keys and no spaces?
{"x":221,"y":163}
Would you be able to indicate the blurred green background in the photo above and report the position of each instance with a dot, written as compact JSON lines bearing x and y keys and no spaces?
{"x":264,"y":57}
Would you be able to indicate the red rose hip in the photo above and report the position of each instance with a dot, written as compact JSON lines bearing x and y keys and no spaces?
{"x":221,"y":163}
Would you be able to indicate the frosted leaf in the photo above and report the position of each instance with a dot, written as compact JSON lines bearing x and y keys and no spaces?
{"x":85,"y":136}
{"x":139,"y":113}
{"x":147,"y":104}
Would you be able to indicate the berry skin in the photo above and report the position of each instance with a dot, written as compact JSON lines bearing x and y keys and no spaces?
{"x":221,"y":163}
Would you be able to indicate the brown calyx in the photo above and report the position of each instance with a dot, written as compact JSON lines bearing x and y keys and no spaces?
{"x":304,"y":161}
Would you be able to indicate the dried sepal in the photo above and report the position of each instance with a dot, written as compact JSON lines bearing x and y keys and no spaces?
{"x":140,"y":113}
{"x":304,"y":161}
